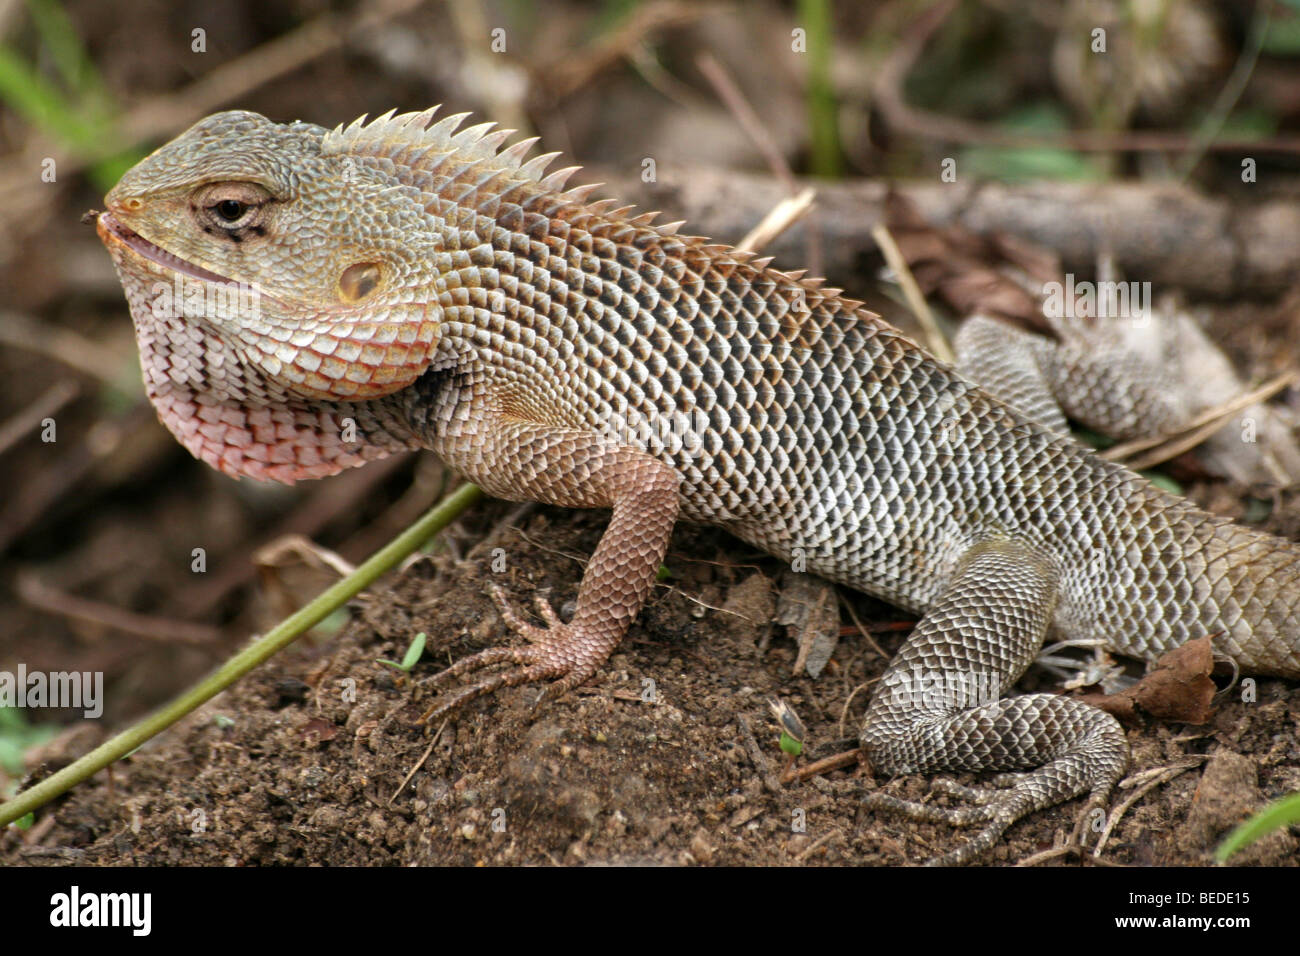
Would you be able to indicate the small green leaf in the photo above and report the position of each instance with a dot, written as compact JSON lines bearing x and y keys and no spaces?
{"x":412,"y":656}
{"x":663,"y":573}
{"x":791,"y":746}
{"x":24,"y":822}
{"x":414,"y":651}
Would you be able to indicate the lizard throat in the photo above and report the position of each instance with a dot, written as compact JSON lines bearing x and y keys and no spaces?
{"x":111,"y":230}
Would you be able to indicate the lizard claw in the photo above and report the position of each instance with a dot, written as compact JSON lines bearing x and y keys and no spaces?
{"x":551,"y":654}
{"x":538,"y":635}
{"x":1008,"y":798}
{"x":998,"y":809}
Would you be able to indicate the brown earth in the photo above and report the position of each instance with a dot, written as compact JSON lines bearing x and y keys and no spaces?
{"x":299,"y":764}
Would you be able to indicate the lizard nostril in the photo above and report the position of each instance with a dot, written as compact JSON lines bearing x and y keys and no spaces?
{"x":359,"y":280}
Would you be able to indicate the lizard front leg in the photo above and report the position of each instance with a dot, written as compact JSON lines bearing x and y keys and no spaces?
{"x":938,"y":705}
{"x":529,"y":461}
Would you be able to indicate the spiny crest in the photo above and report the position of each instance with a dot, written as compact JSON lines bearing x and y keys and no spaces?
{"x":414,"y":140}
{"x":410,"y":137}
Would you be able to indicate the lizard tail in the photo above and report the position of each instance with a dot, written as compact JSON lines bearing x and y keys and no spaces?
{"x":1253,"y":584}
{"x":1184,"y":574}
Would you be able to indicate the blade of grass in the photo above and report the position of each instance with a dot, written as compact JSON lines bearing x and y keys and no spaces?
{"x":815,"y":18}
{"x":59,"y":37}
{"x":30,"y":95}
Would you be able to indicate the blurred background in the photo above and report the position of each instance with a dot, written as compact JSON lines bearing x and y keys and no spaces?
{"x":101,"y":511}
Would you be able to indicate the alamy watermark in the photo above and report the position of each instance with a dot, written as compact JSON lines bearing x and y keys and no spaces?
{"x":187,"y":296}
{"x":1104,"y":300}
{"x":676,"y":433}
{"x":78,"y":690}
{"x":949,"y":690}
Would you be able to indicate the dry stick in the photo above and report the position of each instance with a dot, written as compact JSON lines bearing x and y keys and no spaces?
{"x":318,"y":508}
{"x":1044,"y":856}
{"x":925,"y":124}
{"x":419,"y":763}
{"x":71,"y":348}
{"x":1226,"y":101}
{"x":735,"y":101}
{"x":281,"y":636}
{"x":49,"y":403}
{"x":770,"y":780}
{"x":845,"y":758}
{"x":862,"y":630}
{"x":1197,"y":430}
{"x":915,"y":300}
{"x":576,"y":68}
{"x":38,"y":594}
{"x":780,"y":218}
{"x":26,"y":507}
{"x":818,"y":843}
{"x":1157,"y":776}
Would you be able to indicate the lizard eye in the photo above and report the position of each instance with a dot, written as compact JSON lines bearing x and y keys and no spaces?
{"x":231,"y":210}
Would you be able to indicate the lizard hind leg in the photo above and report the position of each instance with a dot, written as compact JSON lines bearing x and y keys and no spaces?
{"x":939,"y":705}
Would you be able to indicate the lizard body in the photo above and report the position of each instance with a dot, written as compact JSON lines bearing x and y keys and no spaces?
{"x":421,"y":287}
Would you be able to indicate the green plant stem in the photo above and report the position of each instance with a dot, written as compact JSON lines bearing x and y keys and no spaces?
{"x":815,"y":16}
{"x":279,"y":637}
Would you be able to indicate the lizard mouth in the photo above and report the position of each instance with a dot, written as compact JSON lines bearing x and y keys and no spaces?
{"x":110,"y":230}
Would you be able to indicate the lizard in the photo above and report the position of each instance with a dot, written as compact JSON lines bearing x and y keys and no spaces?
{"x":308,"y":299}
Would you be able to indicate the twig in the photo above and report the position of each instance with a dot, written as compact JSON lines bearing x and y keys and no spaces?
{"x":163,"y":114}
{"x":781,"y":217}
{"x":72,"y":349}
{"x":1044,"y":856}
{"x":862,"y":630}
{"x":323,"y":504}
{"x":735,"y":101}
{"x":1197,"y":430}
{"x":576,"y":68}
{"x":47,"y":404}
{"x":819,"y":767}
{"x":818,"y":844}
{"x":38,"y":594}
{"x":1231,"y":92}
{"x":920,"y":308}
{"x":419,"y":763}
{"x":1154,"y":778}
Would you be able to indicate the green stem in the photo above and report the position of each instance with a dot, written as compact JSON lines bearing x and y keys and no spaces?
{"x":823,"y":112}
{"x":281,"y":636}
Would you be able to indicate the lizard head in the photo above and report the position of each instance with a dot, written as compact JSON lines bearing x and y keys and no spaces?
{"x":275,"y":288}
{"x":300,"y":267}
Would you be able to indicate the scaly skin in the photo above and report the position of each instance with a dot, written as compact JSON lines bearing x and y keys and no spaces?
{"x":420,"y":288}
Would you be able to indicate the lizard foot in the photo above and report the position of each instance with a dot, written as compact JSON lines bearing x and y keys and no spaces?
{"x":558,"y":650}
{"x":1008,"y":798}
